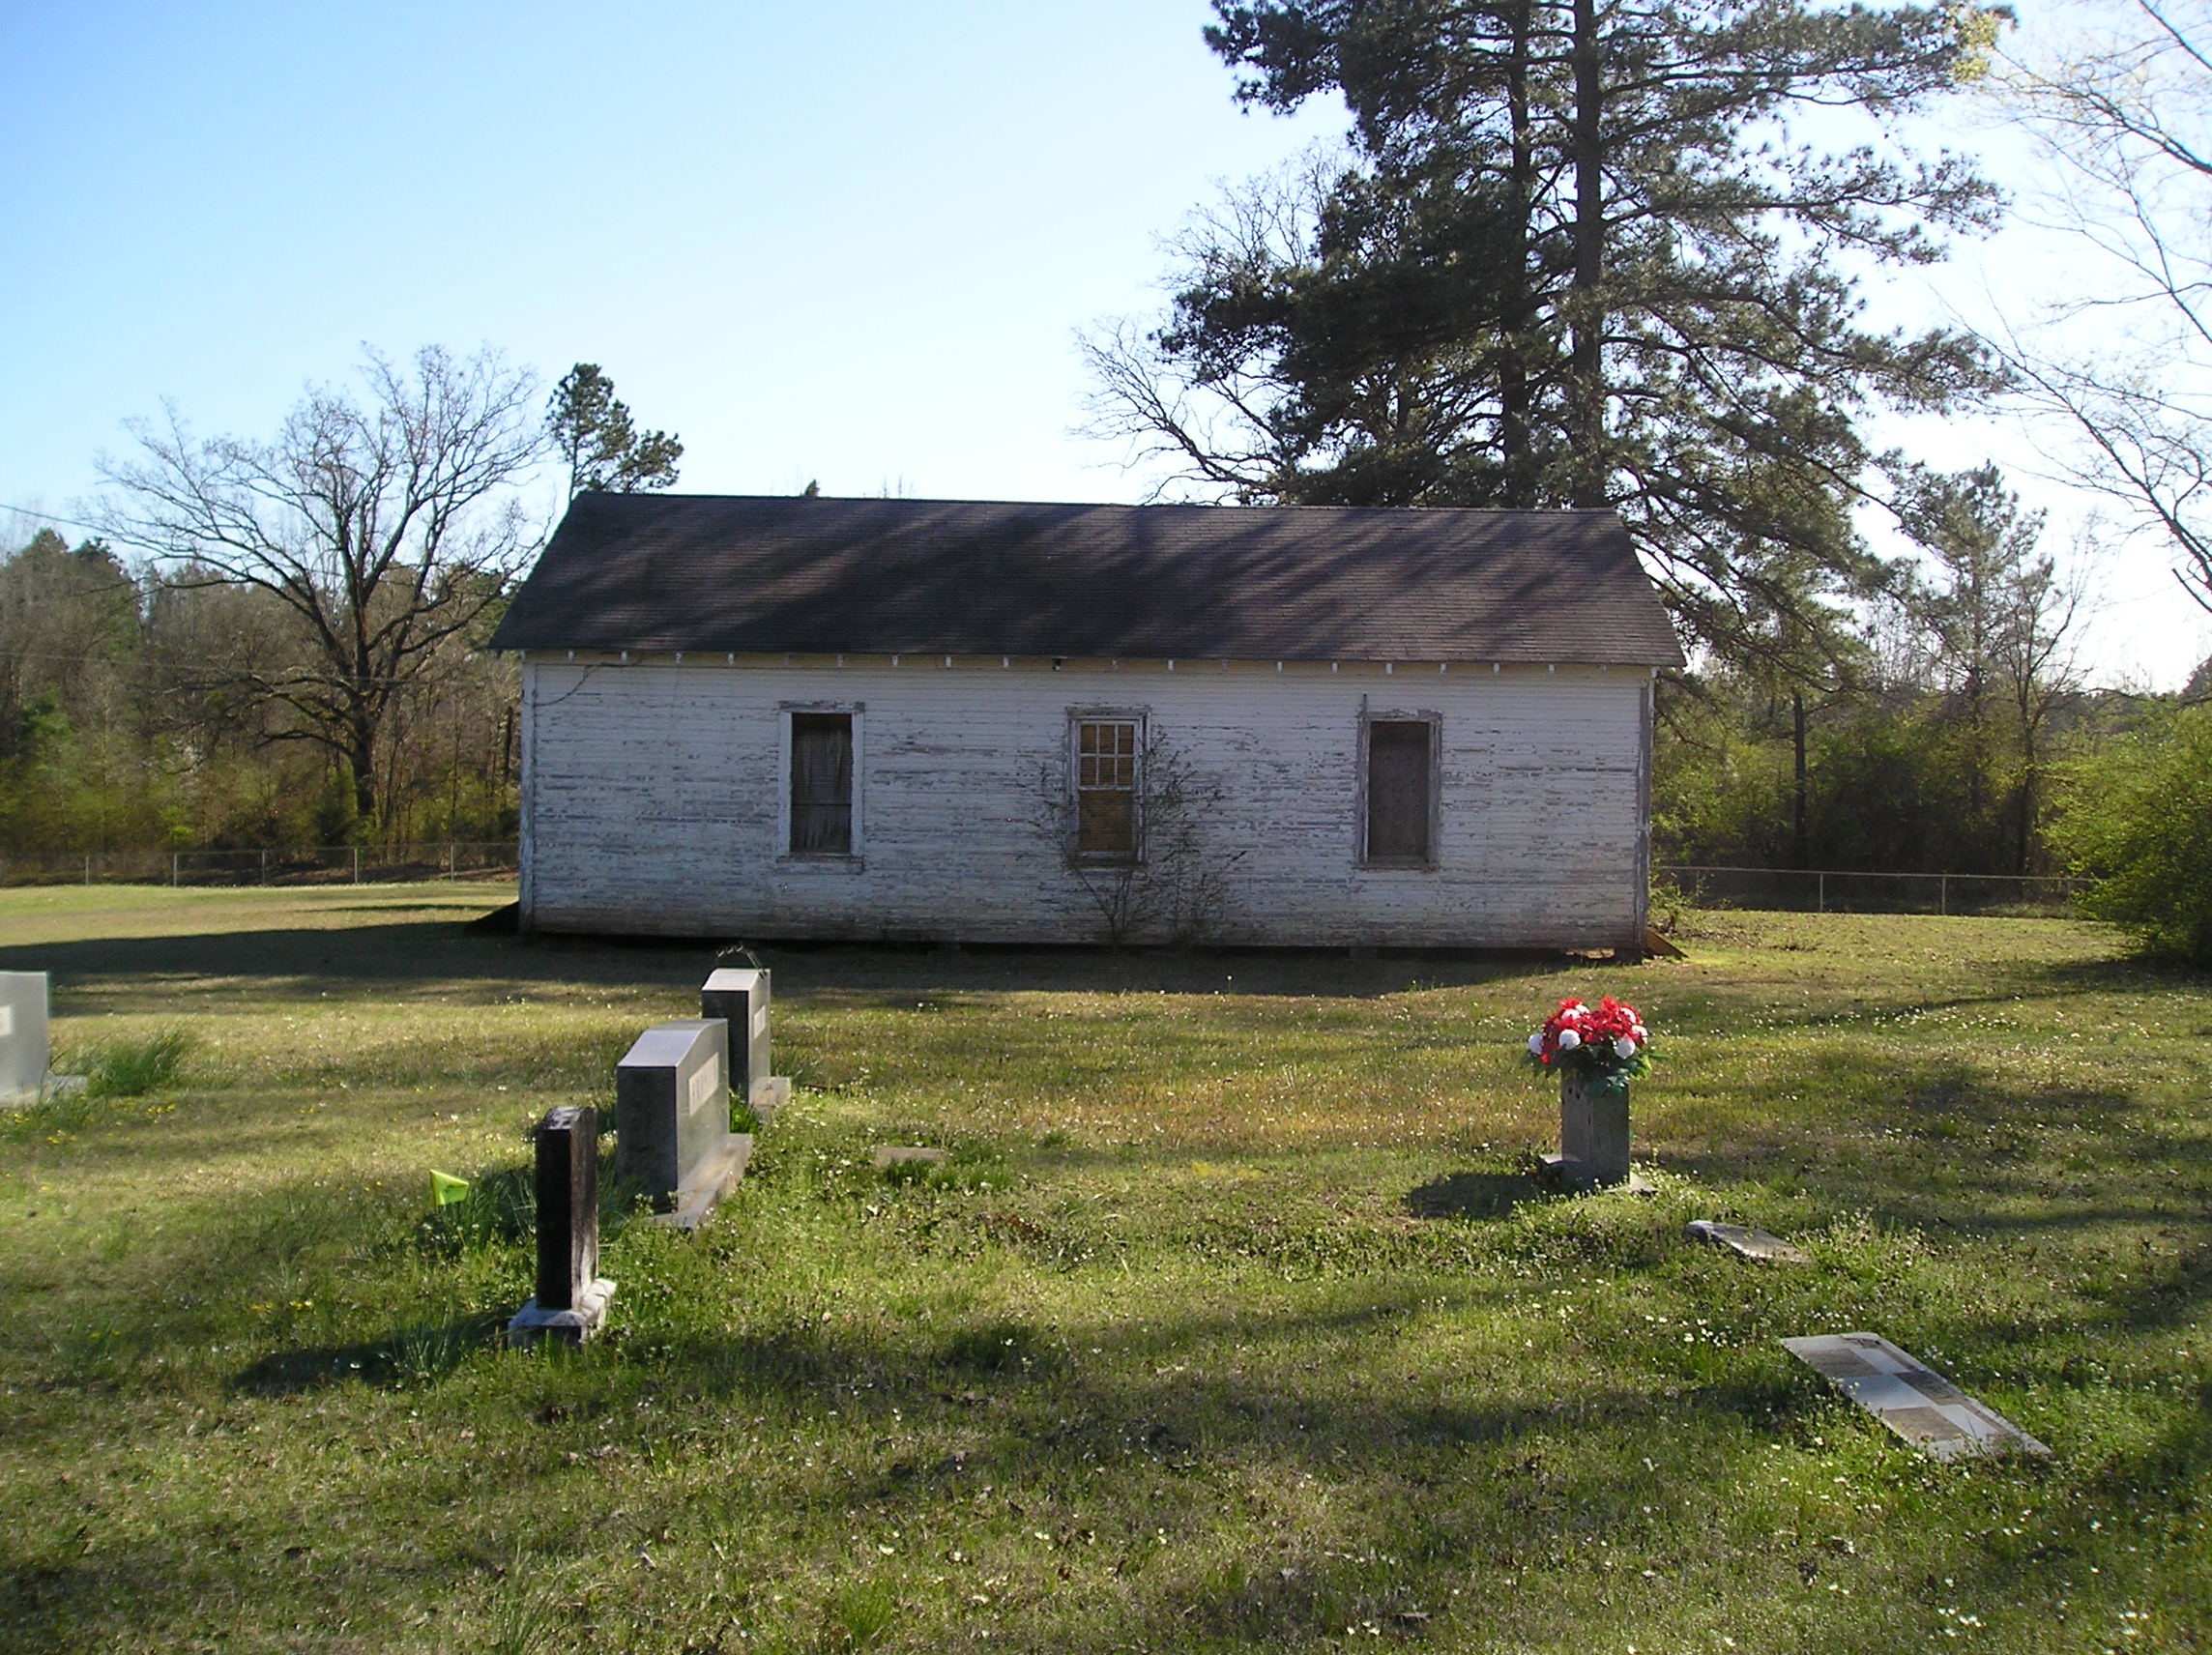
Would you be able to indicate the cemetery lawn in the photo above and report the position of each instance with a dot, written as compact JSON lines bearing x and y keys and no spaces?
{"x":1236,"y":1320}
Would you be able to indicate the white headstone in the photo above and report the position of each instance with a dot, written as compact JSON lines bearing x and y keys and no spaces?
{"x":23,"y":1053}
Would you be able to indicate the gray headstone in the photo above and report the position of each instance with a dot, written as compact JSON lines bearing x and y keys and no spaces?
{"x":1593,"y":1135}
{"x":1910,"y":1398}
{"x":23,"y":1051}
{"x":739,"y":997}
{"x":1745,"y":1242}
{"x":672,"y":1120}
{"x":571,"y":1301}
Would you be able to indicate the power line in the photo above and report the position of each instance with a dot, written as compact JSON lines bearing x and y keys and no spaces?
{"x":50,"y":517}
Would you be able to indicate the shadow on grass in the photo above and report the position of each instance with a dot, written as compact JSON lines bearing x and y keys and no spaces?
{"x":1473,"y":1195}
{"x":419,"y":1354}
{"x":302,"y":962}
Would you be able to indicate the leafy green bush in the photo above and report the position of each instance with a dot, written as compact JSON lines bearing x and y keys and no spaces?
{"x":2137,"y":818}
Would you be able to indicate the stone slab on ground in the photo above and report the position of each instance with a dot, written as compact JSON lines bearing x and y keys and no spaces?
{"x":909,"y":1154}
{"x":1910,"y":1398}
{"x":771,"y":1097}
{"x":1742,"y":1239}
{"x":711,"y":1181}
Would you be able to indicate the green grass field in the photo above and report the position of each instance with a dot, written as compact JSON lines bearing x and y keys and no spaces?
{"x":1235,"y":1321}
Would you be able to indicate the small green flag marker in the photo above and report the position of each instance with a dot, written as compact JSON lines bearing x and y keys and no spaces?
{"x":446,"y":1189}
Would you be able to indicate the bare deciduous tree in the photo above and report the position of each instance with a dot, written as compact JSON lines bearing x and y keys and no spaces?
{"x":385,"y":526}
{"x":2125,"y":112}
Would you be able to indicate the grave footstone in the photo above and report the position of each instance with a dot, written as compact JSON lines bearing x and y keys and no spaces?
{"x":739,"y":997}
{"x":1745,"y":1242}
{"x":23,"y":1053}
{"x":1910,"y":1398}
{"x":672,"y":1120}
{"x":909,"y":1156}
{"x":572,"y":1301}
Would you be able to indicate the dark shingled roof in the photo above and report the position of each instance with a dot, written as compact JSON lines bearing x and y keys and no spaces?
{"x":761,"y":575}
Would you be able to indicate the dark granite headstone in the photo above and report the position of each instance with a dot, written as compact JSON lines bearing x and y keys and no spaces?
{"x":571,"y":1302}
{"x":672,"y":1120}
{"x":739,"y":997}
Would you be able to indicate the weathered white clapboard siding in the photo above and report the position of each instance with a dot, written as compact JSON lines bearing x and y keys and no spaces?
{"x":651,"y":794}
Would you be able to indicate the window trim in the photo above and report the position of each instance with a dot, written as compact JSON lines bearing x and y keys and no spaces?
{"x":1077,"y":717}
{"x":825,"y":860}
{"x":1369,"y":717}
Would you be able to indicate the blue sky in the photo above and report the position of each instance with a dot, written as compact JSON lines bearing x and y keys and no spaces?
{"x":851,"y":245}
{"x":844,"y":242}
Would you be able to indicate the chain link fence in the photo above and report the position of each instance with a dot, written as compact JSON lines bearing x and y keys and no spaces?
{"x":1832,"y":890}
{"x":296,"y":865}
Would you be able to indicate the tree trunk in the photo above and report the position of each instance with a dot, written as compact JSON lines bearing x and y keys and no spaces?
{"x":1586,"y":353}
{"x":1800,"y":849}
{"x":1516,"y":449}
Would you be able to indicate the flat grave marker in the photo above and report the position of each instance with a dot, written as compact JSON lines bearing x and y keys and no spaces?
{"x":672,"y":1120}
{"x":572,"y":1301}
{"x":1745,"y":1242}
{"x":739,"y":997}
{"x":1910,"y":1398}
{"x":909,"y":1156}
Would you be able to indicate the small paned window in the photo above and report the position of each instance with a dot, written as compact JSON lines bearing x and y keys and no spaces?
{"x":1399,"y":805}
{"x":1106,"y":788}
{"x":821,"y":784}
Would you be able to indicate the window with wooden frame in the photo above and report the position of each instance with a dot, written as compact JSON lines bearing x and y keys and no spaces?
{"x":821,"y":784}
{"x":1108,"y":760}
{"x":1399,"y":790}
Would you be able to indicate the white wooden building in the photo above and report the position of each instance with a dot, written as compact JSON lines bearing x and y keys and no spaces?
{"x":871,"y":719}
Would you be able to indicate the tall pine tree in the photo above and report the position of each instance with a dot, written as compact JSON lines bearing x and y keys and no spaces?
{"x":1574,"y":256}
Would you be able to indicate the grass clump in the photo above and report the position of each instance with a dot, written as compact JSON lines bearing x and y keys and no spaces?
{"x":133,"y":1067}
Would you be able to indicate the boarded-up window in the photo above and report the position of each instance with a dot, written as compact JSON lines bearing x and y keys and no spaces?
{"x":1106,"y":788}
{"x":1398,"y":772}
{"x":821,"y":784}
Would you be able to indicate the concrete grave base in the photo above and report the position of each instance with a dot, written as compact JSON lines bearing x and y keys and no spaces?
{"x":770,"y":1096}
{"x":1745,"y":1242}
{"x":710,"y":1182}
{"x":533,"y":1327}
{"x":1581,"y":1176}
{"x":1910,"y":1398}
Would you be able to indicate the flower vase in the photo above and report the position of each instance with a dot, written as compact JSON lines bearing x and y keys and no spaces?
{"x":1593,"y":1128}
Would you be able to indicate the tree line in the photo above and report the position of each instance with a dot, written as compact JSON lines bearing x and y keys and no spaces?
{"x":296,"y":652}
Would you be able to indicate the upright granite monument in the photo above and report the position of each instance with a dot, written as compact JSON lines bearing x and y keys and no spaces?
{"x":23,"y":1054}
{"x":672,"y":1120}
{"x":571,"y":1302}
{"x":739,"y":997}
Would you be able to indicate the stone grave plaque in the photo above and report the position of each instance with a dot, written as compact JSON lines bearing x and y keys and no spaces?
{"x":571,"y":1301}
{"x":672,"y":1120}
{"x":1745,"y":1242}
{"x":23,"y":1051}
{"x":909,"y":1156}
{"x":739,"y":997}
{"x":1910,"y":1398}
